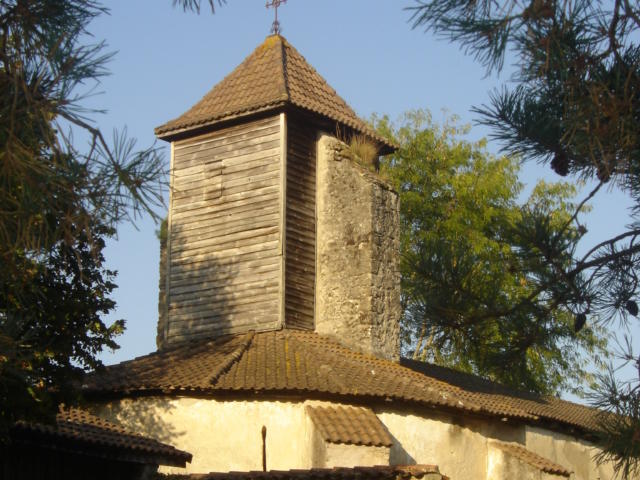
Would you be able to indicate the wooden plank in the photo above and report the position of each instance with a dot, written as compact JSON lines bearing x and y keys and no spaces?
{"x":184,"y":241}
{"x":222,"y":244}
{"x":294,"y":310}
{"x":235,"y":142}
{"x":230,"y":235}
{"x":283,"y":214}
{"x":257,"y":310}
{"x":227,"y":213}
{"x":227,"y":208}
{"x":265,"y":249}
{"x":225,"y":297}
{"x":239,"y":196}
{"x":259,"y":155}
{"x":231,"y":183}
{"x":177,"y":337}
{"x":229,"y":132}
{"x":243,"y":211}
{"x":212,"y":272}
{"x":217,"y":273}
{"x":206,"y":272}
{"x":258,"y":148}
{"x":183,"y":311}
{"x":300,"y":231}
{"x":167,"y":287}
{"x":302,"y":299}
{"x":301,"y":219}
{"x":247,"y":281}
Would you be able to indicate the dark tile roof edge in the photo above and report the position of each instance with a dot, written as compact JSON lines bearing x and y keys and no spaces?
{"x":349,"y":425}
{"x":455,"y":395}
{"x":527,"y":456}
{"x":336,"y":473}
{"x":170,"y":134}
{"x":86,"y":434}
{"x":181,"y":125}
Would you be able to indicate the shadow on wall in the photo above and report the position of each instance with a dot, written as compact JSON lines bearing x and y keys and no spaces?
{"x":397,"y":454}
{"x":203,"y":281}
{"x":148,"y":416}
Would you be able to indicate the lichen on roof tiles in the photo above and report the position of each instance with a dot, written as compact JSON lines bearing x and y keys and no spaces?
{"x":380,"y":472}
{"x":531,"y":458}
{"x":274,"y":75}
{"x":295,"y":362}
{"x":349,"y":425}
{"x":90,"y":434}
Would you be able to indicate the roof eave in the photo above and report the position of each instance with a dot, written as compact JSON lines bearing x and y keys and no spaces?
{"x":172,"y":134}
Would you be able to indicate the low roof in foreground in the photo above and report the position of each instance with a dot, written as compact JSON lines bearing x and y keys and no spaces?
{"x":383,"y":472}
{"x":290,"y":362}
{"x":79,"y":432}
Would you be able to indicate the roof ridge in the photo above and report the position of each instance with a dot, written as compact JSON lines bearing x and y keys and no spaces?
{"x":233,"y":357}
{"x":284,"y":66}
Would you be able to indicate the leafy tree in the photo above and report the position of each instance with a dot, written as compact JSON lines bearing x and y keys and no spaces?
{"x":59,"y":202}
{"x":574,"y":105}
{"x":476,"y":265}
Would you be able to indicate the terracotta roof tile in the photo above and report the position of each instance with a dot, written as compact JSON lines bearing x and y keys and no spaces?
{"x":351,"y":425}
{"x":383,"y":472}
{"x":86,"y":433}
{"x":533,"y":459}
{"x":296,"y":362}
{"x":274,"y":75}
{"x":496,"y":397}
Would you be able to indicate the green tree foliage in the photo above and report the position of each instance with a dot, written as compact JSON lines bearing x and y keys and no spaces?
{"x":574,"y":105}
{"x":51,"y":324}
{"x":477,"y":274}
{"x":59,"y":202}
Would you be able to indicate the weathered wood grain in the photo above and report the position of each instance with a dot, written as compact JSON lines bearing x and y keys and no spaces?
{"x":224,"y":259}
{"x":300,"y":226}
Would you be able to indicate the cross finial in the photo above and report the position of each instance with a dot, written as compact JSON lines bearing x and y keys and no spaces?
{"x":275,"y":26}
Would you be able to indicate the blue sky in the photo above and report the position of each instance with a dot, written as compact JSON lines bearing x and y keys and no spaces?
{"x":366,"y":49}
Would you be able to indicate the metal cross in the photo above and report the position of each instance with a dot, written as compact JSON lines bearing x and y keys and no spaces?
{"x":275,"y":26}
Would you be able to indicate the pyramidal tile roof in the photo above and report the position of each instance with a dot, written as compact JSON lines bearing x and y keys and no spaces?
{"x":274,"y":75}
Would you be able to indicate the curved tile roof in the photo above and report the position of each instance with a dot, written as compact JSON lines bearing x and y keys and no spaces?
{"x":350,"y":425}
{"x":306,"y":363}
{"x":527,"y":456}
{"x":380,"y":472}
{"x":85,"y":433}
{"x":274,"y":75}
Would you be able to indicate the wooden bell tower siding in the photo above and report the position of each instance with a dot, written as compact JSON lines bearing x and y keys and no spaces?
{"x":225,"y":242}
{"x":241,"y":243}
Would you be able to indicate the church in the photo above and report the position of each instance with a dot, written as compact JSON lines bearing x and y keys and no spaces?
{"x":278,"y":342}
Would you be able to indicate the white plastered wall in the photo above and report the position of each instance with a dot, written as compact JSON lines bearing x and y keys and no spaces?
{"x":568,"y":451}
{"x":225,"y":435}
{"x":501,"y":465}
{"x":457,"y":446}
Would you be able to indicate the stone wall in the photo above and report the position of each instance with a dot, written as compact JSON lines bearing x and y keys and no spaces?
{"x":357,"y":283}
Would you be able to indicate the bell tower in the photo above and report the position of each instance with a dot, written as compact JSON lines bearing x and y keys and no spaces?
{"x":272,"y":222}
